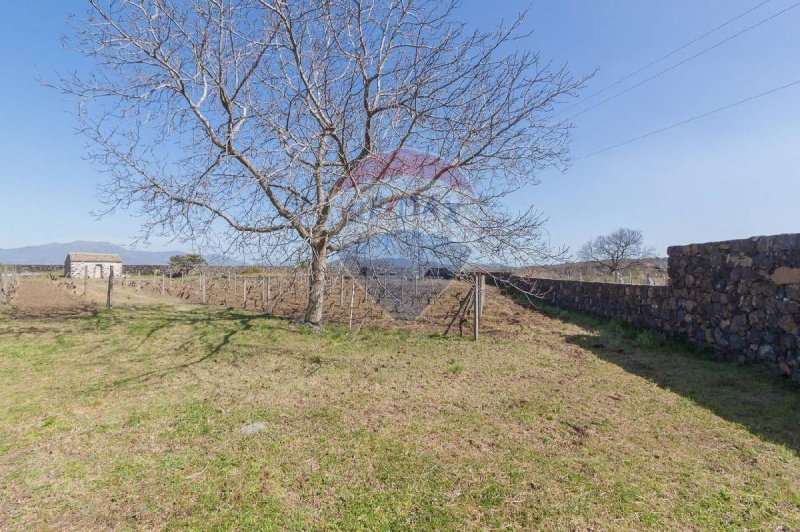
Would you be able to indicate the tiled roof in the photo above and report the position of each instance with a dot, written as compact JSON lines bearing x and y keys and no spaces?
{"x":75,"y":256}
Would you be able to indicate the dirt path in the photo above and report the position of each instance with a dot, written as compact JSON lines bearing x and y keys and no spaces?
{"x":38,"y":297}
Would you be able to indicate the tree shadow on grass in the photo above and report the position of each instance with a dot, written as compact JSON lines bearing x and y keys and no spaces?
{"x":751,"y":396}
{"x":212,"y":331}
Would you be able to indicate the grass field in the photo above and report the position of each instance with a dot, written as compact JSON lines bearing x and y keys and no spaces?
{"x":133,"y":418}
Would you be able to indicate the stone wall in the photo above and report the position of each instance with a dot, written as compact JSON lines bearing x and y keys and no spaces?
{"x":145,"y":269}
{"x":739,"y":297}
{"x":648,"y":306}
{"x":39,"y":268}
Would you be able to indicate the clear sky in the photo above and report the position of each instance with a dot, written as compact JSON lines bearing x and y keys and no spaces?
{"x":731,"y":175}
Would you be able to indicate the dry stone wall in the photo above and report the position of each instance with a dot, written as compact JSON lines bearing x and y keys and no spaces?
{"x":739,"y":297}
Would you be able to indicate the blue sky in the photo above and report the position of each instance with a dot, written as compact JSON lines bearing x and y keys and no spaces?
{"x":732,"y":175}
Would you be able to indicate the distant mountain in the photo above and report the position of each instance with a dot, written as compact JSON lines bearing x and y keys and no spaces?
{"x":56,"y":253}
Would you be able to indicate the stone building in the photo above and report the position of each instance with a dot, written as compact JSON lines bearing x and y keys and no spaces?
{"x":93,"y":265}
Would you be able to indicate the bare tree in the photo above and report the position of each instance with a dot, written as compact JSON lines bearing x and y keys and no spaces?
{"x":616,"y":252}
{"x":299,"y":129}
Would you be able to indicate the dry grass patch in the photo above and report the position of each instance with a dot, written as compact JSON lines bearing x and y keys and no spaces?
{"x":132,"y":419}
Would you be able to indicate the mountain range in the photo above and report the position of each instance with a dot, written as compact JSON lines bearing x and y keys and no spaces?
{"x":55,"y":253}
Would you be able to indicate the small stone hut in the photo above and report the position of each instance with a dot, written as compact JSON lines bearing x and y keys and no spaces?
{"x":93,"y":265}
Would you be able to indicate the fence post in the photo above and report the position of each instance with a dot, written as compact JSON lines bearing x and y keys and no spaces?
{"x":203,"y":286}
{"x":162,"y":284}
{"x":482,"y":293}
{"x":244,"y":292}
{"x":109,"y":303}
{"x":476,"y":305}
{"x":352,"y":298}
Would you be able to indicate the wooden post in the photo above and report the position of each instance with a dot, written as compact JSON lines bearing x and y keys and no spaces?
{"x":341,"y":292}
{"x":352,"y":298}
{"x":162,"y":284}
{"x":244,"y":292}
{"x":203,"y":286}
{"x":109,"y":303}
{"x":476,"y":305}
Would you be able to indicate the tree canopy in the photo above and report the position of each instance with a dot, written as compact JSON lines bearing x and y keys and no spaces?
{"x":617,"y":251}
{"x":304,"y":128}
{"x":183,"y":264}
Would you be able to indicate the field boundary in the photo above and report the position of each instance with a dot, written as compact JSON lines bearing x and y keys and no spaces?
{"x":738,"y":297}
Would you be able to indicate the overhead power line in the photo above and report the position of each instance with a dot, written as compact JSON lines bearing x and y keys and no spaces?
{"x":692,"y":119}
{"x":665,"y":56}
{"x":684,"y":61}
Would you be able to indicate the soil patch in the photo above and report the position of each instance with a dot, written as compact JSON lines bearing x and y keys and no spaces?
{"x":40,"y":298}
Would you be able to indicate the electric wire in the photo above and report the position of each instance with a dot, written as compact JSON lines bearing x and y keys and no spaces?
{"x":684,"y":61}
{"x":688,"y":120}
{"x":665,"y":56}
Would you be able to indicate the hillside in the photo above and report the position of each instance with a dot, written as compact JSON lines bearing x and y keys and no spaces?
{"x":55,"y":253}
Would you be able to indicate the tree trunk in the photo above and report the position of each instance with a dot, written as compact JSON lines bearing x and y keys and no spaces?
{"x":316,"y":284}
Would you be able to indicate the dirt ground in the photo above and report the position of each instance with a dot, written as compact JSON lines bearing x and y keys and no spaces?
{"x":38,"y":297}
{"x":41,"y":297}
{"x":501,"y":314}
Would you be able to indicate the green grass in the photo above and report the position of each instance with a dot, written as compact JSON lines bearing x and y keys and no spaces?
{"x":131,"y":419}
